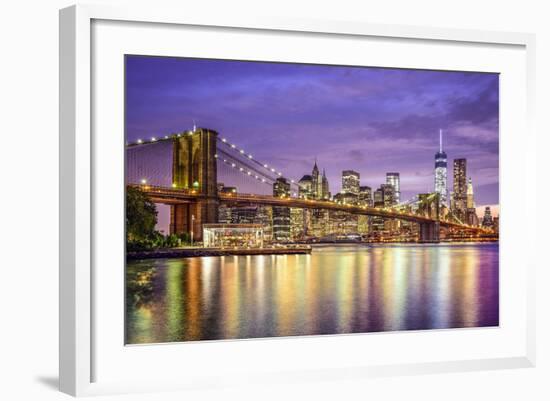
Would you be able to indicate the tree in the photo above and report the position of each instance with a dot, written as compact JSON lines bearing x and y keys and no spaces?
{"x":141,"y":215}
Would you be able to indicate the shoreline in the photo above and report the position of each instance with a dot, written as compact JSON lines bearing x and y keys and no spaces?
{"x":200,"y":252}
{"x":296,"y":250}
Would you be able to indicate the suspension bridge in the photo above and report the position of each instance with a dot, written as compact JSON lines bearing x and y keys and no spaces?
{"x":184,"y":170}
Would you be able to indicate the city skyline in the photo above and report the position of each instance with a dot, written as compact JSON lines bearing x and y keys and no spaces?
{"x":386,"y":120}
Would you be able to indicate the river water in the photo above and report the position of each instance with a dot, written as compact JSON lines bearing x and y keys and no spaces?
{"x":336,"y":289}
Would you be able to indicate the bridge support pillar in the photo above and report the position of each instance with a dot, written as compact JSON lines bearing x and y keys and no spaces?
{"x":429,"y":232}
{"x":191,"y":216}
{"x":194,"y":168}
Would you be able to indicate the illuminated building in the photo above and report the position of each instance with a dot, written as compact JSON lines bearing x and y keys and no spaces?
{"x":487,"y":218}
{"x":388,"y":195}
{"x":232,"y":235}
{"x":459,"y":188}
{"x":224,"y":214}
{"x":440,"y":173}
{"x":470,"y":204}
{"x":297,"y":223}
{"x":346,"y":198}
{"x":496,"y":224}
{"x":393,"y":180}
{"x":471,"y":217}
{"x":365,"y":196}
{"x":316,"y":182}
{"x":325,"y":190}
{"x":227,"y":190}
{"x":363,"y":224}
{"x":383,"y":197}
{"x":314,"y":186}
{"x":350,"y":182}
{"x":281,"y":214}
{"x":243,"y":214}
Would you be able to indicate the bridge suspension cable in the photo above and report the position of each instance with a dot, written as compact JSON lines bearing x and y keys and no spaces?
{"x":244,"y":169}
{"x":242,"y":153}
{"x":223,"y":142}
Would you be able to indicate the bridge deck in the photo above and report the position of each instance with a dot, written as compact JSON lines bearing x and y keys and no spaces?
{"x":173,"y":196}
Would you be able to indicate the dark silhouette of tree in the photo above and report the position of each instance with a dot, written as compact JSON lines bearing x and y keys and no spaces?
{"x":141,"y":215}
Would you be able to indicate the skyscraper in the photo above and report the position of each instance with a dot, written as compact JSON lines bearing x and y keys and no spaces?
{"x":316,"y":182}
{"x":314,"y":186}
{"x":350,"y":182}
{"x":441,"y":171}
{"x":393,"y":180}
{"x":365,"y":196}
{"x":487,"y":218}
{"x":459,"y":188}
{"x":470,"y":204}
{"x":325,"y":190}
{"x":281,"y":214}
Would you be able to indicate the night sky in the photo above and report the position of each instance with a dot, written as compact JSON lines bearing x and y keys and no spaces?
{"x":371,"y":120}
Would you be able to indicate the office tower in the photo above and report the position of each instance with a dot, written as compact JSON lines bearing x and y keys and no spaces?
{"x":496,"y":224}
{"x":297,"y":223}
{"x":224,"y":214}
{"x":487,"y":218}
{"x":470,"y":204}
{"x":350,"y":182}
{"x":388,"y":193}
{"x":305,"y":187}
{"x":440,"y":172}
{"x":264,"y":216}
{"x":314,"y":186}
{"x":281,"y":214}
{"x":471,"y":217}
{"x":325,"y":190}
{"x":459,"y":188}
{"x":316,"y":182}
{"x":393,"y":180}
{"x":363,"y":224}
{"x":243,"y":214}
{"x":365,"y":196}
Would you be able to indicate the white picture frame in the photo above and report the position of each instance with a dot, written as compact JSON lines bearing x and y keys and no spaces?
{"x":78,"y":371}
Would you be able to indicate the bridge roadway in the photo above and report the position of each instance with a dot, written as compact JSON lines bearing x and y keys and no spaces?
{"x":173,"y":196}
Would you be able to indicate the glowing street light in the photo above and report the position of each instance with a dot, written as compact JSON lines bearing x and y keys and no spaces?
{"x":143,"y":181}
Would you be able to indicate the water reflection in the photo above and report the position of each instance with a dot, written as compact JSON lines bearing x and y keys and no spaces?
{"x":336,"y":289}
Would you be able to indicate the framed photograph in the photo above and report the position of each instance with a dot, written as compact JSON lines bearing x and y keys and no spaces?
{"x":266,"y":200}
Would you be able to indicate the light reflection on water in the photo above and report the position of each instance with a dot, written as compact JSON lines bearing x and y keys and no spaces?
{"x":336,"y":289}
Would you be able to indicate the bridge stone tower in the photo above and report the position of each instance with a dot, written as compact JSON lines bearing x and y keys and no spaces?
{"x":429,"y":206}
{"x":194,"y":168}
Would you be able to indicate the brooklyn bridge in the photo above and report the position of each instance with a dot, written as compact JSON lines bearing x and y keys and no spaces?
{"x":182,"y":170}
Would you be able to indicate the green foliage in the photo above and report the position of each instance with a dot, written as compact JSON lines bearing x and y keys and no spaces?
{"x":141,"y":216}
{"x":141,"y":219}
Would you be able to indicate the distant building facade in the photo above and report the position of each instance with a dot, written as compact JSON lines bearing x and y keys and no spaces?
{"x":350,"y":182}
{"x":281,"y":214}
{"x":440,"y":172}
{"x":459,"y":188}
{"x":393,"y":180}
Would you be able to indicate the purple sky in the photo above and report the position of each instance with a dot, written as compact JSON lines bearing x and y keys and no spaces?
{"x":372,"y":120}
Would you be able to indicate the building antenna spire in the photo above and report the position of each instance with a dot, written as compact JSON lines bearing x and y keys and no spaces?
{"x":440,"y":140}
{"x":194,"y":126}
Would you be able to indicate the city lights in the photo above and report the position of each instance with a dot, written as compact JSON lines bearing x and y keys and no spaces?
{"x":381,"y":204}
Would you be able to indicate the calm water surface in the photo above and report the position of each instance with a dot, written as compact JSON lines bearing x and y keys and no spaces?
{"x":336,"y":289}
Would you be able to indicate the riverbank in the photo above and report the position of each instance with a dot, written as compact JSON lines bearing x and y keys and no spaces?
{"x":198,"y":252}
